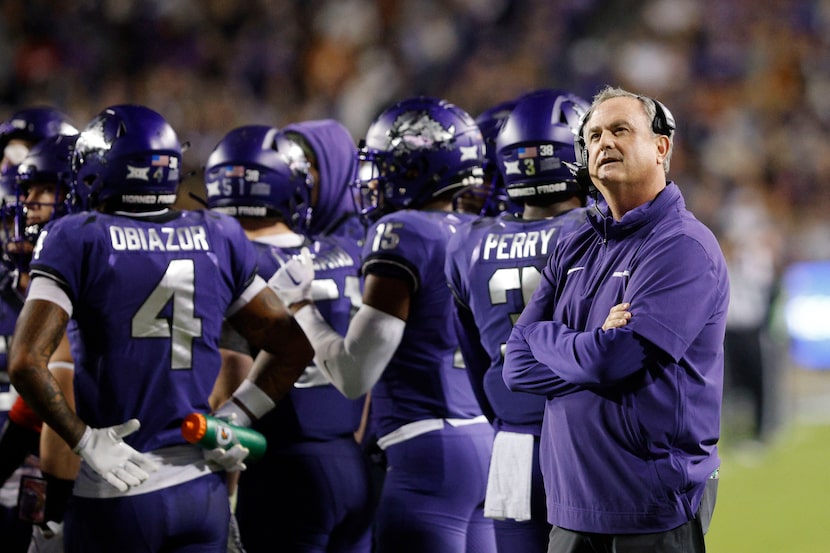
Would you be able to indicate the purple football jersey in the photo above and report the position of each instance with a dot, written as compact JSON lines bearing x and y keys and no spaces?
{"x":149,"y":296}
{"x":493,"y":266}
{"x":422,"y":381}
{"x":336,"y":291}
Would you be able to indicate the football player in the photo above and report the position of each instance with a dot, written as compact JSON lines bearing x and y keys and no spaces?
{"x":401,"y":344}
{"x":148,"y":287}
{"x":19,"y":442}
{"x":493,"y":266}
{"x":288,"y":189}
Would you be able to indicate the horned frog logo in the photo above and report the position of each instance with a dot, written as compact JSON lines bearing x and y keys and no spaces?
{"x":93,"y":138}
{"x":416,"y":130}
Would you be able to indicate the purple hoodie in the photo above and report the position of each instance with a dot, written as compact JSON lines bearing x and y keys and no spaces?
{"x":632,"y":417}
{"x":337,"y":162}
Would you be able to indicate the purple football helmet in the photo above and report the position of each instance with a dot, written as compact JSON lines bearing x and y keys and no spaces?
{"x":490,"y":198}
{"x":48,"y":164}
{"x":256,"y":171}
{"x":535,"y":140}
{"x":128,"y":157}
{"x":31,"y":125}
{"x":415,"y":151}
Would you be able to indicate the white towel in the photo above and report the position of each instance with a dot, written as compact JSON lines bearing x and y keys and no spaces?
{"x":508,"y":486}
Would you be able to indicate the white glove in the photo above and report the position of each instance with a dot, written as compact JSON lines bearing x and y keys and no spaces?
{"x":232,"y":413}
{"x":292,"y":282}
{"x":106,"y":453}
{"x":231,"y":460}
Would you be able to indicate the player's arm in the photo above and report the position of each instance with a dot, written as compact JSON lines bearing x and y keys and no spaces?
{"x":40,"y":328}
{"x":56,"y":458}
{"x":475,"y":356}
{"x":354,"y":363}
{"x":284,"y":354}
{"x":237,"y":359}
{"x":58,"y":463}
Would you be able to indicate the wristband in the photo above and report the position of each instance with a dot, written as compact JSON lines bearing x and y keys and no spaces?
{"x":85,"y":437}
{"x":252,"y":400}
{"x":61,"y":365}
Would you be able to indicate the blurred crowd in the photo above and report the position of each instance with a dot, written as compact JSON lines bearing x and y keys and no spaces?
{"x":748,"y":86}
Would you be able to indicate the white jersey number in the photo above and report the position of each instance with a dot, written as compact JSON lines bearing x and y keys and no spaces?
{"x":525,"y":279}
{"x":177,"y":285}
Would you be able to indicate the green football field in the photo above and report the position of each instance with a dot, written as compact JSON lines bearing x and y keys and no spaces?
{"x":776,"y":499}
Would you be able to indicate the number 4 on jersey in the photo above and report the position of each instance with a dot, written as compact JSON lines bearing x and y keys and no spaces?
{"x":177,"y":285}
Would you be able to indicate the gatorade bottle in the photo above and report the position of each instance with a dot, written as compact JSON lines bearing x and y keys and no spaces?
{"x":210,"y":432}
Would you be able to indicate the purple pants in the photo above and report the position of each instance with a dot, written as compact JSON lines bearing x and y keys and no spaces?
{"x":433,"y":495}
{"x":187,"y":518}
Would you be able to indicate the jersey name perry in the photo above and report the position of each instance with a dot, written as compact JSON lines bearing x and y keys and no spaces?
{"x":162,"y":239}
{"x":517,"y":245}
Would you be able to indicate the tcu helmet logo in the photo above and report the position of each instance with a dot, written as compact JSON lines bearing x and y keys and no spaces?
{"x":94,"y":136}
{"x":417,"y":130}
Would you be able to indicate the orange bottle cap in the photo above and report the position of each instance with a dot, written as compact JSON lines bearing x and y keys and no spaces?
{"x":194,"y":427}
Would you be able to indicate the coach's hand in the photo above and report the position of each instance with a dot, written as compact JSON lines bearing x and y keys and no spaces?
{"x":105,"y":451}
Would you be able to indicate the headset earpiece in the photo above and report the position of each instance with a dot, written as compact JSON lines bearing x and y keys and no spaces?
{"x":580,"y":148}
{"x":663,"y":122}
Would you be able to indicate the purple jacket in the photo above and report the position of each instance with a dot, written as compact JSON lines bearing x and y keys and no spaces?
{"x":632,"y":416}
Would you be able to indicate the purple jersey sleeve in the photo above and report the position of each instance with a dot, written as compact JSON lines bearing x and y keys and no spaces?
{"x":149,"y":297}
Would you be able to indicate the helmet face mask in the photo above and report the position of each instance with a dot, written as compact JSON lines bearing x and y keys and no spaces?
{"x":128,"y":157}
{"x":416,"y":151}
{"x":41,"y":193}
{"x":535,"y":143}
{"x":257,"y":171}
{"x":20,"y":132}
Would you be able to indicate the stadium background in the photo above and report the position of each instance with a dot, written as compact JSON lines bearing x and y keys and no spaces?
{"x":748,"y":84}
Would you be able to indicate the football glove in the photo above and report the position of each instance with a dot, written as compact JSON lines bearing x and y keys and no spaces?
{"x":231,"y":460}
{"x":105,"y":451}
{"x":292,"y":281}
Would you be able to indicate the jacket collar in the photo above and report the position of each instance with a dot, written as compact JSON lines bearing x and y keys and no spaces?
{"x":644,"y":216}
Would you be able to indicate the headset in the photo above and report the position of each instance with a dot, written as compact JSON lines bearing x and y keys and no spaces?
{"x":663,"y":123}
